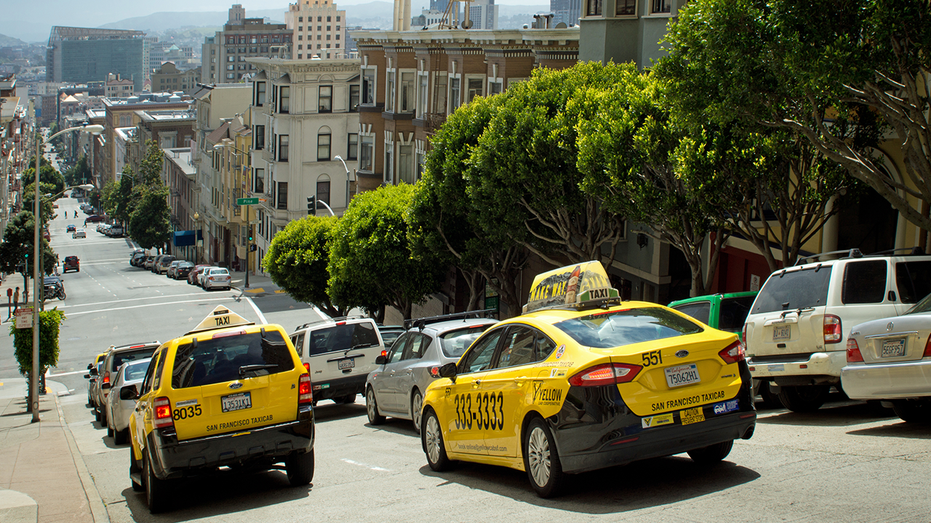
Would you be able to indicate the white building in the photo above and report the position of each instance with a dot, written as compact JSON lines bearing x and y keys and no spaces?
{"x":319,"y":30}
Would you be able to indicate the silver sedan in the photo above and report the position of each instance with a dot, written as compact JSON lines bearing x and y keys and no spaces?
{"x":119,"y":410}
{"x":890,"y":360}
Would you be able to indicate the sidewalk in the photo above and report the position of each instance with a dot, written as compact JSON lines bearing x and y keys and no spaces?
{"x":42,"y":475}
{"x":259,"y":284}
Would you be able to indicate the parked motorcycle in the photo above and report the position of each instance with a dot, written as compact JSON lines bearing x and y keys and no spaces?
{"x":54,"y":288}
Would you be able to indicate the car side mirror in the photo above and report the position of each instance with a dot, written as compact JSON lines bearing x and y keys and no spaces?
{"x":90,"y":366}
{"x":105,"y":385}
{"x":87,"y":376}
{"x":381,"y":360}
{"x":448,"y":371}
{"x":129,"y":392}
{"x":93,"y":371}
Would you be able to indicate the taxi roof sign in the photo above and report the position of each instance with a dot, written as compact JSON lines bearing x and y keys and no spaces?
{"x":220,"y":318}
{"x":574,"y":285}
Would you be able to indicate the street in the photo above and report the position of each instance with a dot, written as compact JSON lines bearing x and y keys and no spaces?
{"x":847,"y":462}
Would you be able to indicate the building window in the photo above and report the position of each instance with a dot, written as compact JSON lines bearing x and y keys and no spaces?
{"x":367,"y":154}
{"x":422,"y":96}
{"x":368,"y":86}
{"x":593,"y":8}
{"x":475,"y":88}
{"x":282,"y":148}
{"x":494,"y":87}
{"x":326,"y":98}
{"x":354,"y":97}
{"x":284,"y":99}
{"x":353,"y":152}
{"x":259,"y":186}
{"x":406,"y":163}
{"x":282,"y":196}
{"x":661,"y":6}
{"x":453,"y":94}
{"x":407,"y":92}
{"x":323,"y":192}
{"x":323,"y":145}
{"x":390,"y":92}
{"x":389,"y":163}
{"x":625,"y":7}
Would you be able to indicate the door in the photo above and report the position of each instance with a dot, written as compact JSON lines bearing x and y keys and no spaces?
{"x":411,"y":359}
{"x":385,"y":384}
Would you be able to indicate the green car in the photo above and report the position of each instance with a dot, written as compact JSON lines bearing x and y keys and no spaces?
{"x":726,"y":312}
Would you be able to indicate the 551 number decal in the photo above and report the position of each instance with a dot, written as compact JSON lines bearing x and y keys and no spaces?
{"x":488,"y":412}
{"x":654,"y":357}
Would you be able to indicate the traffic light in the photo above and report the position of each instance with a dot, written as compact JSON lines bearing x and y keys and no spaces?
{"x":250,"y":237}
{"x":312,"y":206}
{"x":253,"y":247}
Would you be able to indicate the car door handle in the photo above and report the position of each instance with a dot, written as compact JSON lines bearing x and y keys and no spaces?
{"x":476,"y":383}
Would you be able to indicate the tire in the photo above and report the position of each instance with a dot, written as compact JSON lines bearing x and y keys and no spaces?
{"x":345,"y":400}
{"x":97,"y":415}
{"x":371,"y":407}
{"x":767,"y":397}
{"x":912,"y":411}
{"x":803,"y":399}
{"x":417,"y":410}
{"x":110,"y":430}
{"x":431,"y":437}
{"x":133,"y":469}
{"x":712,"y":453}
{"x":156,"y":490}
{"x":120,"y":436}
{"x":300,"y":468}
{"x":541,"y":460}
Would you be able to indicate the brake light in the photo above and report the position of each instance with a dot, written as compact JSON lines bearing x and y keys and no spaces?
{"x":733,"y":353}
{"x":605,"y":374}
{"x":384,"y":352}
{"x":228,"y":334}
{"x":743,"y":338}
{"x":853,"y":351}
{"x":106,"y":378}
{"x":163,"y":413}
{"x":304,"y":394}
{"x":307,"y":367}
{"x":833,"y":333}
{"x":927,"y":348}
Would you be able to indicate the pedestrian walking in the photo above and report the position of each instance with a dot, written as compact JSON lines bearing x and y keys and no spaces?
{"x":15,"y":300}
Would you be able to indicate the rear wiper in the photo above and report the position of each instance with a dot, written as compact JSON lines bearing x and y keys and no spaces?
{"x":363,"y":345}
{"x":245,"y":369}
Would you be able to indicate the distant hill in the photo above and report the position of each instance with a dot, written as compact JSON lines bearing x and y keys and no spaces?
{"x":9,"y":41}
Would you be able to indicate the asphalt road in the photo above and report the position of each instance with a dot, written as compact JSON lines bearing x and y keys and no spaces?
{"x":847,"y":462}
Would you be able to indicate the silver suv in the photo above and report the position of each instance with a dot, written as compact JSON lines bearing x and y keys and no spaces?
{"x":340,"y":352}
{"x":797,"y":329}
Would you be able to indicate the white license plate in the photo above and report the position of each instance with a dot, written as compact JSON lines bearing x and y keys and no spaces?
{"x":682,"y":375}
{"x":240,"y":401}
{"x":782,"y":332}
{"x":346,"y":364}
{"x":893,"y":348}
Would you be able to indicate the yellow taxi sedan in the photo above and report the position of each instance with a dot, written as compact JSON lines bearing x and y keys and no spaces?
{"x":228,"y":393}
{"x":582,"y":381}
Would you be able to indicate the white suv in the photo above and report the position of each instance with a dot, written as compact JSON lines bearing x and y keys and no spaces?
{"x":797,"y":329}
{"x":340,"y":353}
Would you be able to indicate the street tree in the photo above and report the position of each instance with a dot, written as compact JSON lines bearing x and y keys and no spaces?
{"x":523,"y":177}
{"x":150,"y":168}
{"x":79,"y":174}
{"x":297,"y":261}
{"x":444,"y":217}
{"x":17,"y":251}
{"x":843,"y":78}
{"x":109,"y":197}
{"x":49,"y":328}
{"x":47,"y":205}
{"x":49,"y":175}
{"x":371,"y":262}
{"x":150,"y":221}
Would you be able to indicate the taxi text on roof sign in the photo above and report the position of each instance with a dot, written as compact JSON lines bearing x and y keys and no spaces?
{"x":220,"y":318}
{"x":570,"y":285}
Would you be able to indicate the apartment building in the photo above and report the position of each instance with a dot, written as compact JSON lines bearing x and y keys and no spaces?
{"x":225,"y":54}
{"x":81,"y":54}
{"x":319,"y":30}
{"x":118,"y":87}
{"x":178,"y":173}
{"x":168,"y":78}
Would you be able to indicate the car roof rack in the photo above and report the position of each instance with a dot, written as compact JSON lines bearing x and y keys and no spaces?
{"x":851,"y":253}
{"x":420,"y":323}
{"x":329,"y":320}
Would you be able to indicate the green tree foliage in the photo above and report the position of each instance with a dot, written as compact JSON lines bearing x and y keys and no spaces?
{"x":522,"y":175}
{"x":18,"y":248}
{"x":150,"y":221}
{"x":841,"y":77}
{"x":79,"y":174}
{"x":444,"y":217}
{"x":109,"y":198}
{"x":49,"y":176}
{"x":371,"y":262}
{"x":49,"y":327}
{"x":125,"y":201}
{"x":297,"y":261}
{"x":150,"y":169}
{"x":47,"y":207}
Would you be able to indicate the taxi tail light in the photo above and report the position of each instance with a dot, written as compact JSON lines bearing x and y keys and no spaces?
{"x":853,"y":351}
{"x":733,"y":353}
{"x":833,"y":332}
{"x":304,"y":394}
{"x":163,"y":413}
{"x":605,"y":374}
{"x":927,"y":353}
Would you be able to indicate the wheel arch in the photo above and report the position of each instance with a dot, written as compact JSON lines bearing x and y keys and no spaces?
{"x":525,"y":422}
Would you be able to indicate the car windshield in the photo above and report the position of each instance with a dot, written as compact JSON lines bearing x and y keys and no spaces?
{"x":219,"y":271}
{"x":230,"y":358}
{"x":456,"y":342}
{"x":615,"y":328}
{"x":799,"y":289}
{"x":923,"y":306}
{"x":342,"y":337}
{"x":136,"y":370}
{"x":122,"y":357}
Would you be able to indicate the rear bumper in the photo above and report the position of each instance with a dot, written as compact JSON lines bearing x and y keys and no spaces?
{"x":330,"y":389}
{"x":175,"y":459}
{"x":817,"y":368}
{"x":888,"y":381}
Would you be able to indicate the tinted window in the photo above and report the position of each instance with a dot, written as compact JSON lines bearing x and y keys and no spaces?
{"x":734,"y":313}
{"x":800,"y":289}
{"x":864,"y":282}
{"x":389,"y":336}
{"x":417,"y":346}
{"x":913,"y":280}
{"x":456,"y":342}
{"x":479,"y":358}
{"x":523,"y":345}
{"x":622,"y":327}
{"x":701,"y":311}
{"x":230,"y":358}
{"x":135,"y":371}
{"x":342,"y":337}
{"x":298,"y":341}
{"x":119,"y":358}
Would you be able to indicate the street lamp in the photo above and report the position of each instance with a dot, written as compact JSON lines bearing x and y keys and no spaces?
{"x":34,"y":376}
{"x":348,"y":176}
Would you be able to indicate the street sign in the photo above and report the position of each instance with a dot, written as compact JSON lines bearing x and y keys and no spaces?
{"x":247,"y":201}
{"x":24,"y":318}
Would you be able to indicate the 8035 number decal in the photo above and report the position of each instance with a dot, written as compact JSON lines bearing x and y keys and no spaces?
{"x":186,"y":412}
{"x":487,"y":415}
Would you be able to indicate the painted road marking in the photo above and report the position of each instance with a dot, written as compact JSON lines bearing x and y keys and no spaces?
{"x":372,"y":467}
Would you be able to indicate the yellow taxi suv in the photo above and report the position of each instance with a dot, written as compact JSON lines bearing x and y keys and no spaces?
{"x":227,"y":394}
{"x":581,"y":382}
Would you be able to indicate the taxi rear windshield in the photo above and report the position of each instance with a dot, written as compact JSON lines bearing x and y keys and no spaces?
{"x":230,"y":358}
{"x":604,"y":330}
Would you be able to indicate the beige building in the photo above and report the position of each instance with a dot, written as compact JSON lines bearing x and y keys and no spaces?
{"x":117,"y":87}
{"x":319,"y":30}
{"x":168,"y":78}
{"x":225,"y":54}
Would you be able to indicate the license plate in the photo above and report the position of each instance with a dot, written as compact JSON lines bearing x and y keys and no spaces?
{"x":689,"y":416}
{"x":893,"y":348}
{"x":682,"y":375}
{"x":782,"y":332}
{"x":346,"y":364}
{"x":240,"y":401}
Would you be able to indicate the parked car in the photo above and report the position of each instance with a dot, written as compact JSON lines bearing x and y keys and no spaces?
{"x":182,"y":270}
{"x":796,"y":332}
{"x":395,"y":388}
{"x":72,"y":263}
{"x":79,"y":234}
{"x":217,"y":278}
{"x":93,"y":371}
{"x":117,"y":356}
{"x":193,"y":277}
{"x":340,"y":353}
{"x":115,"y":231}
{"x":389,"y":333}
{"x":172,"y":268}
{"x":119,"y":409}
{"x":889,"y":360}
{"x":138,"y":259}
{"x":203,"y":274}
{"x":70,"y":228}
{"x":149,"y":262}
{"x":94,"y":219}
{"x":102,"y":228}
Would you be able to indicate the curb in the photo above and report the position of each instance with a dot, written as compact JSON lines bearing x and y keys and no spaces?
{"x":94,"y":501}
{"x":16,"y":507}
